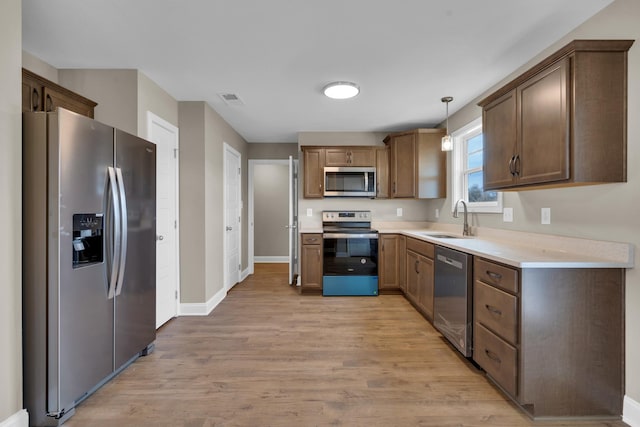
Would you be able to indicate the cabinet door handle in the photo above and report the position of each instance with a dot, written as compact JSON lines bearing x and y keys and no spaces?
{"x":493,"y":310}
{"x":494,"y":275}
{"x":35,"y":99}
{"x":516,"y":165}
{"x":416,"y":267}
{"x":49,"y":104}
{"x":511,"y":165}
{"x":491,"y":355}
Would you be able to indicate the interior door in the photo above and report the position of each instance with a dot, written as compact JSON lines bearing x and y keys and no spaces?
{"x":232,"y":216}
{"x":165,"y":136}
{"x":293,"y":220}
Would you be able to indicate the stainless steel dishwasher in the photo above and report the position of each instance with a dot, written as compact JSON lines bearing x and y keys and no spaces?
{"x":452,"y":298}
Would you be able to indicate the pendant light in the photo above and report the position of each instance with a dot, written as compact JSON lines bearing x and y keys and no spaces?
{"x":447,"y":141}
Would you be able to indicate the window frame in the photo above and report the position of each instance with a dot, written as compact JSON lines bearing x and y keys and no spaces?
{"x":459,"y":172}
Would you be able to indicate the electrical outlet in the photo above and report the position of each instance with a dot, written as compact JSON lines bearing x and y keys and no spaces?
{"x":399,"y":211}
{"x":437,"y":213}
{"x":545,"y":216}
{"x":507,"y":215}
{"x":309,"y":212}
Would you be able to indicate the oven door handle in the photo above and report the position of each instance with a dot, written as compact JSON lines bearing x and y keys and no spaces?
{"x":349,"y":236}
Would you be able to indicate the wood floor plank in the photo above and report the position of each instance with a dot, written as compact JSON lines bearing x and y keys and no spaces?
{"x":268,"y":356}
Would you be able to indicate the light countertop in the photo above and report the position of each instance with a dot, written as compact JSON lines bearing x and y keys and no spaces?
{"x":515,"y":248}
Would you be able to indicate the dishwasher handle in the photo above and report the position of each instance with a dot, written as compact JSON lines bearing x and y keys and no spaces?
{"x":452,"y":262}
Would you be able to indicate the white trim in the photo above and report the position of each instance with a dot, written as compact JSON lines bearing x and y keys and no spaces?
{"x":251,"y":203}
{"x":457,"y":159}
{"x":19,"y":419}
{"x":631,"y":412}
{"x":245,"y":273}
{"x":153,"y":118}
{"x":200,"y":308}
{"x":272,"y":259}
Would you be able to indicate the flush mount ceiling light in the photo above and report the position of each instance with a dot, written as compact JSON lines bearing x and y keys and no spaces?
{"x":447,"y":141}
{"x":341,"y":90}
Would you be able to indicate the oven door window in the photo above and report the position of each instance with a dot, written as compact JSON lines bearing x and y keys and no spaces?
{"x":350,"y":257}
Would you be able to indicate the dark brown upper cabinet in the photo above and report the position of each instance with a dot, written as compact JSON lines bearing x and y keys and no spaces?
{"x":561,"y":123}
{"x":40,"y":94}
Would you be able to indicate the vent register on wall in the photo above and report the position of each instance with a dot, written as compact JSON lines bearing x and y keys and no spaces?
{"x":88,"y":258}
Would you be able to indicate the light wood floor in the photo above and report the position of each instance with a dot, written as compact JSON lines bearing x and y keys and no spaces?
{"x":267,"y":356}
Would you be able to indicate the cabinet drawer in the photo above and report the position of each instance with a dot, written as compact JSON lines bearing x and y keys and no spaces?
{"x":418,"y":246}
{"x":497,"y":357}
{"x":497,"y":310}
{"x":505,"y":278}
{"x":311,"y":239}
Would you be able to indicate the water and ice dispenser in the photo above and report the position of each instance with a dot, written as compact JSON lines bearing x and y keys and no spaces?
{"x":88,"y":239}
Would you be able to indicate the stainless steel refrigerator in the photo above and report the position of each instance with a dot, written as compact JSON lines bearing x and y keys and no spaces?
{"x":89,"y":229}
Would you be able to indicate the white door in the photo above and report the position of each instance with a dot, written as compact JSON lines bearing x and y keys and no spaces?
{"x":232,"y":216}
{"x":165,"y":136}
{"x":293,"y":220}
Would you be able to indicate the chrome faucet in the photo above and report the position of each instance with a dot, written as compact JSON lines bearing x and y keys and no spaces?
{"x":465,"y":227}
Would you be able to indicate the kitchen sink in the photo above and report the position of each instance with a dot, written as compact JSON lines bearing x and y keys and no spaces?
{"x":441,"y":235}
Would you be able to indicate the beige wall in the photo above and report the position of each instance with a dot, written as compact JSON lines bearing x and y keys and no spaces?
{"x":272,"y":151}
{"x":192,"y":202}
{"x":10,"y":209}
{"x":604,"y":212}
{"x":152,"y":97}
{"x":38,"y":66}
{"x":202,"y":136}
{"x":115,"y":91}
{"x":218,"y":132}
{"x":271,"y":209}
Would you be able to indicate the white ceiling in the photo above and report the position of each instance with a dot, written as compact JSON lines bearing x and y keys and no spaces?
{"x":277,"y":55}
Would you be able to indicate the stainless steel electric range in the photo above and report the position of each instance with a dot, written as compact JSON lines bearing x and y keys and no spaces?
{"x":350,"y":257}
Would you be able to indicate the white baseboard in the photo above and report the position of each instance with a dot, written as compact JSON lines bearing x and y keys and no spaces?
{"x":202,"y":308}
{"x":244,"y":274}
{"x":631,"y":412}
{"x":19,"y":419}
{"x":271,"y":259}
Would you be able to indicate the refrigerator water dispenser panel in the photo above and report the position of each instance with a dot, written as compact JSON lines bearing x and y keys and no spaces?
{"x":88,"y":242}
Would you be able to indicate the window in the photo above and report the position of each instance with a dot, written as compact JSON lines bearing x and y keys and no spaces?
{"x":467,"y":171}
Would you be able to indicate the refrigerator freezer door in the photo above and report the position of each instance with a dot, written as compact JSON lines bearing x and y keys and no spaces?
{"x":80,"y":316}
{"x":136,"y":296}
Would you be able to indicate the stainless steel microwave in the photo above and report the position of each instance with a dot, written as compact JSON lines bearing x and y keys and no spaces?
{"x":349,"y":181}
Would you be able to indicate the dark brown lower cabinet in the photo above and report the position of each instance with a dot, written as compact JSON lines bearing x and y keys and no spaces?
{"x":311,"y":262}
{"x":552,"y":339}
{"x":419,"y":276}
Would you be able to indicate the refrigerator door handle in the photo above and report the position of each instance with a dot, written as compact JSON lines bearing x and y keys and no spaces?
{"x":122,"y":262}
{"x":115,"y":198}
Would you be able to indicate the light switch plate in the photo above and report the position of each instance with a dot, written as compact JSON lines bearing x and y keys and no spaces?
{"x":309,"y":212}
{"x":399,"y":211}
{"x":507,"y":215}
{"x":437,"y":213}
{"x":545,"y":216}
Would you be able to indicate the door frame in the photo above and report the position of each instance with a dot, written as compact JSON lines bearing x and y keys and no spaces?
{"x":226,"y":151}
{"x":251,"y":203}
{"x":151,"y":119}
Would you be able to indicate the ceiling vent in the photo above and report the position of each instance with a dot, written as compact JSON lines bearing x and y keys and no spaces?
{"x":231,"y":99}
